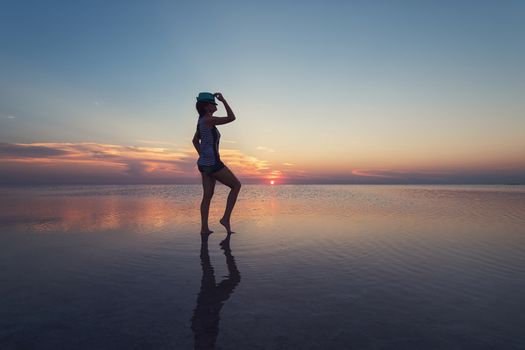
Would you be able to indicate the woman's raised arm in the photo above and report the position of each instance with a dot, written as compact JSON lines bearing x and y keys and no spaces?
{"x":221,"y":120}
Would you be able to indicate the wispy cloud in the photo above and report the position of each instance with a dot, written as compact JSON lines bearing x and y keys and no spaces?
{"x":158,"y":143}
{"x":14,"y":151}
{"x":396,"y":174}
{"x":9,"y":117}
{"x":374,"y":173}
{"x":265,"y":149}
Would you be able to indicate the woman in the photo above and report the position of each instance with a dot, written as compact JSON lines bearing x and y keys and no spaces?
{"x":209,"y":163}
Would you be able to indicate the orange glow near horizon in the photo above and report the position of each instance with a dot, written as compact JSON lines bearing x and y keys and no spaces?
{"x":92,"y":162}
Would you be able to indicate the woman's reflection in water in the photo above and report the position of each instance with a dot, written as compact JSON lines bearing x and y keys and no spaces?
{"x":211,"y":298}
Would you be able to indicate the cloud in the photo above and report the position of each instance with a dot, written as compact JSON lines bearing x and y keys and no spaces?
{"x":265,"y":149}
{"x":158,"y":143}
{"x":136,"y":168}
{"x":28,"y":151}
{"x":396,"y":174}
{"x":248,"y":165}
{"x":97,"y":163}
{"x":100,"y":163}
{"x":374,"y":173}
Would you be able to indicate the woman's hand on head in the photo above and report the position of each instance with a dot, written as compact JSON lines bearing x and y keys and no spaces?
{"x":219,"y":96}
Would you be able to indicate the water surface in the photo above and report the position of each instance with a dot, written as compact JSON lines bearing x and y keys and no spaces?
{"x":310,"y":267}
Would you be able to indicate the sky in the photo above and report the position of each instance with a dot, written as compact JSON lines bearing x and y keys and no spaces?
{"x":323,"y":91}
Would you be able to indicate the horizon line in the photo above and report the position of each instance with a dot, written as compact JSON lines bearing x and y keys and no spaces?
{"x":35,"y":184}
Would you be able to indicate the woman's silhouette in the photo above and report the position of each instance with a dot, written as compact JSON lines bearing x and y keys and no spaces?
{"x":209,"y":163}
{"x":212,"y":296}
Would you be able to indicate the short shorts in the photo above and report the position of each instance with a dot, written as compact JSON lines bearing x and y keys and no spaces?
{"x":210,"y":169}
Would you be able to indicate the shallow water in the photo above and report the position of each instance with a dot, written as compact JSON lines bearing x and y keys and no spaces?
{"x":309,"y":267}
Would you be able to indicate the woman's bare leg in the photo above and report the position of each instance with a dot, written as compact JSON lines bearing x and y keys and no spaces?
{"x":208,"y":186}
{"x":228,"y":178}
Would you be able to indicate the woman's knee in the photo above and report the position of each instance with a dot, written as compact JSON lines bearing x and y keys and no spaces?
{"x":236,"y":186}
{"x":207,"y":195}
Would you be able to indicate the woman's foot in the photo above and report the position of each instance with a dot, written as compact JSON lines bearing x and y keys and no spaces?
{"x":226,"y":224}
{"x":206,"y":231}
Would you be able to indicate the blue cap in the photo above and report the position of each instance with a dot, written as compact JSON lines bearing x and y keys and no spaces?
{"x":206,"y":97}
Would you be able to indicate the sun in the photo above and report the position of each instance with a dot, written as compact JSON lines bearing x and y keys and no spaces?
{"x":272,"y":182}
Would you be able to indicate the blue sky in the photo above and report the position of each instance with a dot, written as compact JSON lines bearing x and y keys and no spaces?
{"x":311,"y":82}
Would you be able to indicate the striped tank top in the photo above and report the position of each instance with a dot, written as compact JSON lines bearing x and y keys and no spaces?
{"x":209,"y":145}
